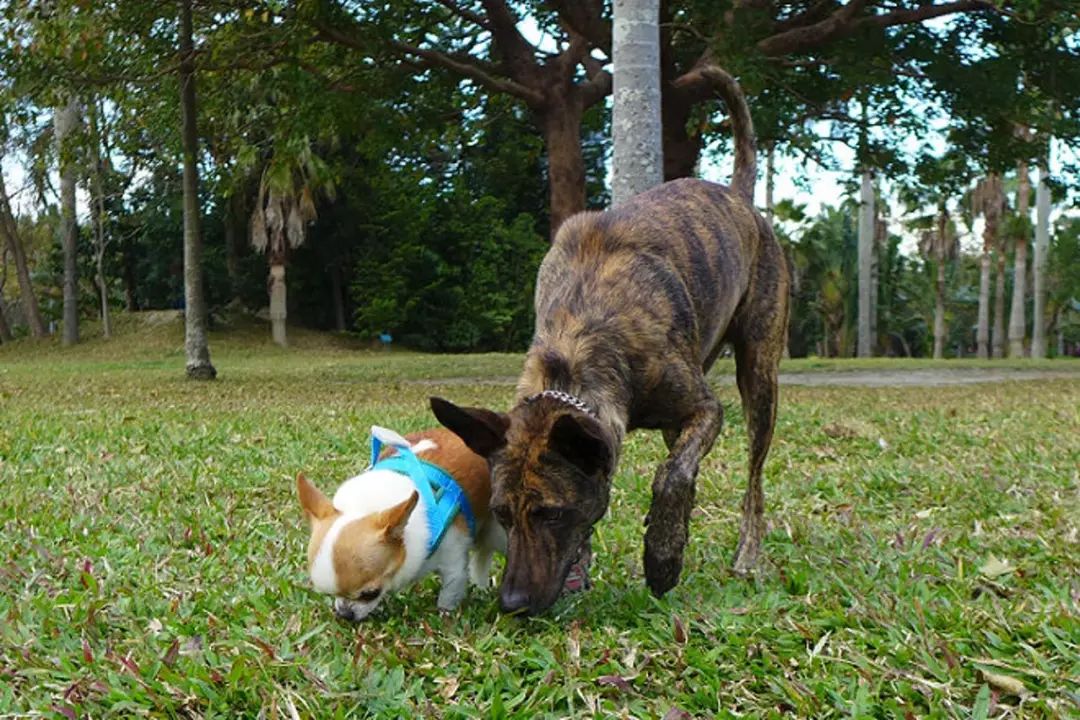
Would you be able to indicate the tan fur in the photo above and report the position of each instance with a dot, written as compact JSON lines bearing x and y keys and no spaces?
{"x":365,"y":555}
{"x":320,"y":513}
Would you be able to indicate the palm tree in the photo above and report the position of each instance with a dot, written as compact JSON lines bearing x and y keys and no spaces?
{"x":283,"y":208}
{"x":1042,"y":236}
{"x":637,"y":162}
{"x":988,"y":200}
{"x":940,"y":245}
{"x":1021,"y":228}
{"x":66,"y":125}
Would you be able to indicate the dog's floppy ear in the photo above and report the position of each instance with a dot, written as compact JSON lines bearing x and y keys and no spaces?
{"x":393,"y":519}
{"x":316,"y":505}
{"x":484,"y":431}
{"x":581,"y":441}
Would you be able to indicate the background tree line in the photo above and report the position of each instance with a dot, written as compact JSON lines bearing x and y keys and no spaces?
{"x":399,"y":167}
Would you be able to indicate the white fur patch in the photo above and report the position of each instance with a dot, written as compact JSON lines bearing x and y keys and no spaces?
{"x":388,"y":437}
{"x":425,"y":445}
{"x":323,"y":577}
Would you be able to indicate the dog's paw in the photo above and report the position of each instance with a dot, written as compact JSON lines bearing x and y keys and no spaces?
{"x":663,"y":558}
{"x":662,"y":571}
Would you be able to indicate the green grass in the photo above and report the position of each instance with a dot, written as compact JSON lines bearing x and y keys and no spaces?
{"x":923,"y":543}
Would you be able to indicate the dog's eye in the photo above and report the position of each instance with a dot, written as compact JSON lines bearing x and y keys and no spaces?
{"x":551,"y":515}
{"x":369,"y":595}
{"x":502,"y":514}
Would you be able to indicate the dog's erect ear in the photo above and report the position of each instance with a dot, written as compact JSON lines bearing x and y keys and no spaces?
{"x":393,"y":519}
{"x":581,"y":441}
{"x":316,"y":505}
{"x":484,"y":431}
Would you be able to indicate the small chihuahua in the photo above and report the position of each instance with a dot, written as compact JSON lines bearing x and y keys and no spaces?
{"x":420,"y":507}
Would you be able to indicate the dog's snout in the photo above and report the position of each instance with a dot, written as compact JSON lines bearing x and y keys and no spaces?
{"x":514,"y":600}
{"x":345,"y":612}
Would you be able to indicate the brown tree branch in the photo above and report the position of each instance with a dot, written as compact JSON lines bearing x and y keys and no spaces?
{"x":466,"y":14}
{"x":801,"y":38}
{"x":596,"y":88}
{"x":586,"y":18}
{"x":844,"y":22}
{"x":518,"y":54}
{"x":474,"y":70}
{"x":926,"y":12}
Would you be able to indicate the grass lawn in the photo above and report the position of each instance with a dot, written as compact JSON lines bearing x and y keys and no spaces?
{"x":923,"y":558}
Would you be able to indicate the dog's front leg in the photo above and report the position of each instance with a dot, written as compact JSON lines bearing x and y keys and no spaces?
{"x":454,"y":573}
{"x":673,"y":494}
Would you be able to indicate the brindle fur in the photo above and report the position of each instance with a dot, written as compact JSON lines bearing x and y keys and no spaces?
{"x":633,"y":306}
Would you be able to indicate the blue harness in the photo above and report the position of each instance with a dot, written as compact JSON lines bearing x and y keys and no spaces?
{"x":443,"y":498}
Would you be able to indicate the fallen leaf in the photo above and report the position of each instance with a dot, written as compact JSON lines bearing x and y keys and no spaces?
{"x":1005,"y":683}
{"x":836,"y":430}
{"x":680,"y":630}
{"x":449,"y":687}
{"x":172,"y":653}
{"x":66,"y":711}
{"x":677,"y":714}
{"x":994,"y":568}
{"x":574,"y":643}
{"x":154,"y":626}
{"x":88,"y":655}
{"x":614,"y":681}
{"x":265,"y":647}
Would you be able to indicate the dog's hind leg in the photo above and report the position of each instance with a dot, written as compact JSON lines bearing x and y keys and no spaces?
{"x":673,"y":490}
{"x":759,"y":343}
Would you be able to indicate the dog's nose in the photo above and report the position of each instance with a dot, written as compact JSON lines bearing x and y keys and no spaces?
{"x":345,"y":612}
{"x":512,"y":600}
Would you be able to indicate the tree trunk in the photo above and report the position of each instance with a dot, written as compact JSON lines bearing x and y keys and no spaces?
{"x":1017,"y":319}
{"x":998,"y":337}
{"x":131,"y":302}
{"x":97,"y":189}
{"x":278,"y":304}
{"x":195,"y":315}
{"x":637,"y":154}
{"x":5,"y":329}
{"x":235,"y":238}
{"x":681,"y":148}
{"x":561,"y":123}
{"x":338,"y":299}
{"x":982,"y":333}
{"x":939,"y":310}
{"x":866,"y":239}
{"x":65,"y":120}
{"x":1042,"y":237}
{"x":770,"y":178}
{"x":10,"y":230}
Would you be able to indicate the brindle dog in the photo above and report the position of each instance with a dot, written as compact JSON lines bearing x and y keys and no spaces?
{"x":633,"y":306}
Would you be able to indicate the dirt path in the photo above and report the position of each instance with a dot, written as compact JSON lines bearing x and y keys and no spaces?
{"x":931,"y":377}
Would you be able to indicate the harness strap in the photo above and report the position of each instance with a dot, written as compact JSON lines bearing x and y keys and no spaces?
{"x":443,"y":498}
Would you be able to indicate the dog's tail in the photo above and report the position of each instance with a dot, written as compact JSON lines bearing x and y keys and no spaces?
{"x":745,"y":174}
